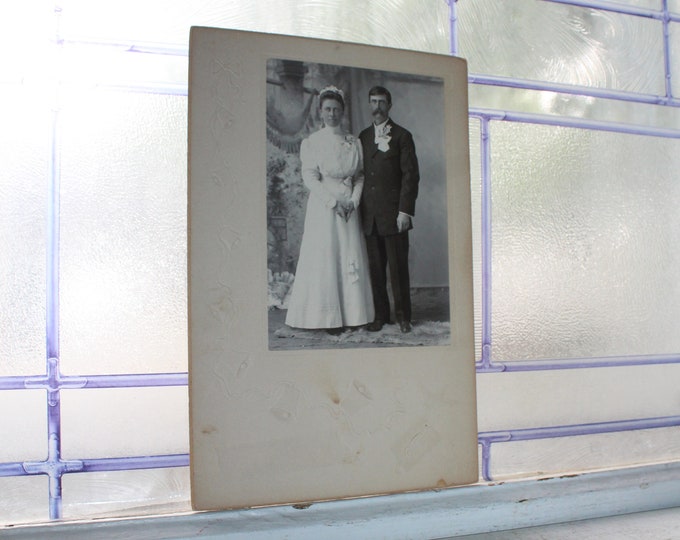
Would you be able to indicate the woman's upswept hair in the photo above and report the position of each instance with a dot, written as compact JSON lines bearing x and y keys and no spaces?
{"x":332,"y":92}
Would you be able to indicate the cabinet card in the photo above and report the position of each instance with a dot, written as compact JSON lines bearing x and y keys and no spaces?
{"x":330,"y":272}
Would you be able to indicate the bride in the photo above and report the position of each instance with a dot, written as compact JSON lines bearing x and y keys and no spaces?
{"x":332,"y":288}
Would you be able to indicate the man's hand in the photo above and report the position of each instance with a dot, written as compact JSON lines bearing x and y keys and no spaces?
{"x":403,"y":222}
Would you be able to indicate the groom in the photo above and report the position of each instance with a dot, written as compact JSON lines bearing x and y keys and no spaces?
{"x":387,"y":206}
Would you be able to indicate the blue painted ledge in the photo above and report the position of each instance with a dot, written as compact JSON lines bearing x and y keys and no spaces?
{"x":424,"y":515}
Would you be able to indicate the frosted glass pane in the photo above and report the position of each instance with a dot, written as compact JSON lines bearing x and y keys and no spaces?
{"x":546,"y":457}
{"x":545,"y":41}
{"x":23,"y":425}
{"x":124,"y":422}
{"x":24,"y":153}
{"x":585,"y":256}
{"x":24,"y":499}
{"x":535,"y":399}
{"x":123,"y":234}
{"x":126,"y":493}
{"x":412,"y":24}
{"x":25,"y":30}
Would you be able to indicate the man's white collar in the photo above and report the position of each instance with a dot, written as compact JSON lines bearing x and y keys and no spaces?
{"x":380,"y":127}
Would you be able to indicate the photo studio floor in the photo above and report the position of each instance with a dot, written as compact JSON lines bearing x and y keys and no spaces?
{"x":430,"y":326}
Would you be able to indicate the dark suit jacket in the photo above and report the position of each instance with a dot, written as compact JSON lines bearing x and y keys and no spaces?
{"x":391,"y":180}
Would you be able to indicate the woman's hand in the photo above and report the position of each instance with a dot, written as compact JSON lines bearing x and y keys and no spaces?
{"x":339,"y":209}
{"x":344,"y":209}
{"x":349,"y":208}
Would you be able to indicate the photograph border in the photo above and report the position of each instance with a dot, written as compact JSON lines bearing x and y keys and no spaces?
{"x":282,"y":427}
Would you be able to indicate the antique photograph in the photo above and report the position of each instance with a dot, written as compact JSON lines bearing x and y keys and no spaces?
{"x":357,"y":244}
{"x":331,"y":321}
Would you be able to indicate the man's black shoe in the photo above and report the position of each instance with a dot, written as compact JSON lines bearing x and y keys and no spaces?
{"x":405,"y":327}
{"x":375,"y":326}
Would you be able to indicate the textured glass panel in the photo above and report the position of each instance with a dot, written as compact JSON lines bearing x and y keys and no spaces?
{"x":24,"y":499}
{"x":523,"y":400}
{"x":546,"y":457}
{"x":411,"y":24}
{"x":674,"y":5}
{"x":124,"y":422}
{"x":123,"y":234}
{"x":544,"y":41}
{"x":585,"y":257}
{"x":25,"y":30}
{"x":24,"y":154}
{"x":126,"y":493}
{"x":23,"y":425}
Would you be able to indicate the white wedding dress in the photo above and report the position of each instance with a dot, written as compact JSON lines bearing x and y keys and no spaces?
{"x":332,"y":285}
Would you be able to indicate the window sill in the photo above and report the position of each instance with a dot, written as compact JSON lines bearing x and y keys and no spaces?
{"x":432,"y":514}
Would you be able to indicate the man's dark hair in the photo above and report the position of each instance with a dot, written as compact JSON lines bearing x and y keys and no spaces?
{"x":380,"y":91}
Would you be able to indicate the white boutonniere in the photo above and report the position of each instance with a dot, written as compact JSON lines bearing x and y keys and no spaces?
{"x":383,"y":140}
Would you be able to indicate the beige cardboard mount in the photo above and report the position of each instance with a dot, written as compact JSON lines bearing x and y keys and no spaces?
{"x":329,"y":420}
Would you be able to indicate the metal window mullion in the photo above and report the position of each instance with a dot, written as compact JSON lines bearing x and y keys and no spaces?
{"x":589,"y":362}
{"x":572,"y":89}
{"x":52,"y":325}
{"x":667,"y":51}
{"x":135,"y":462}
{"x":486,"y":239}
{"x":571,"y":122}
{"x":453,"y":27}
{"x":132,"y":380}
{"x":488,"y":438}
{"x":613,"y":7}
